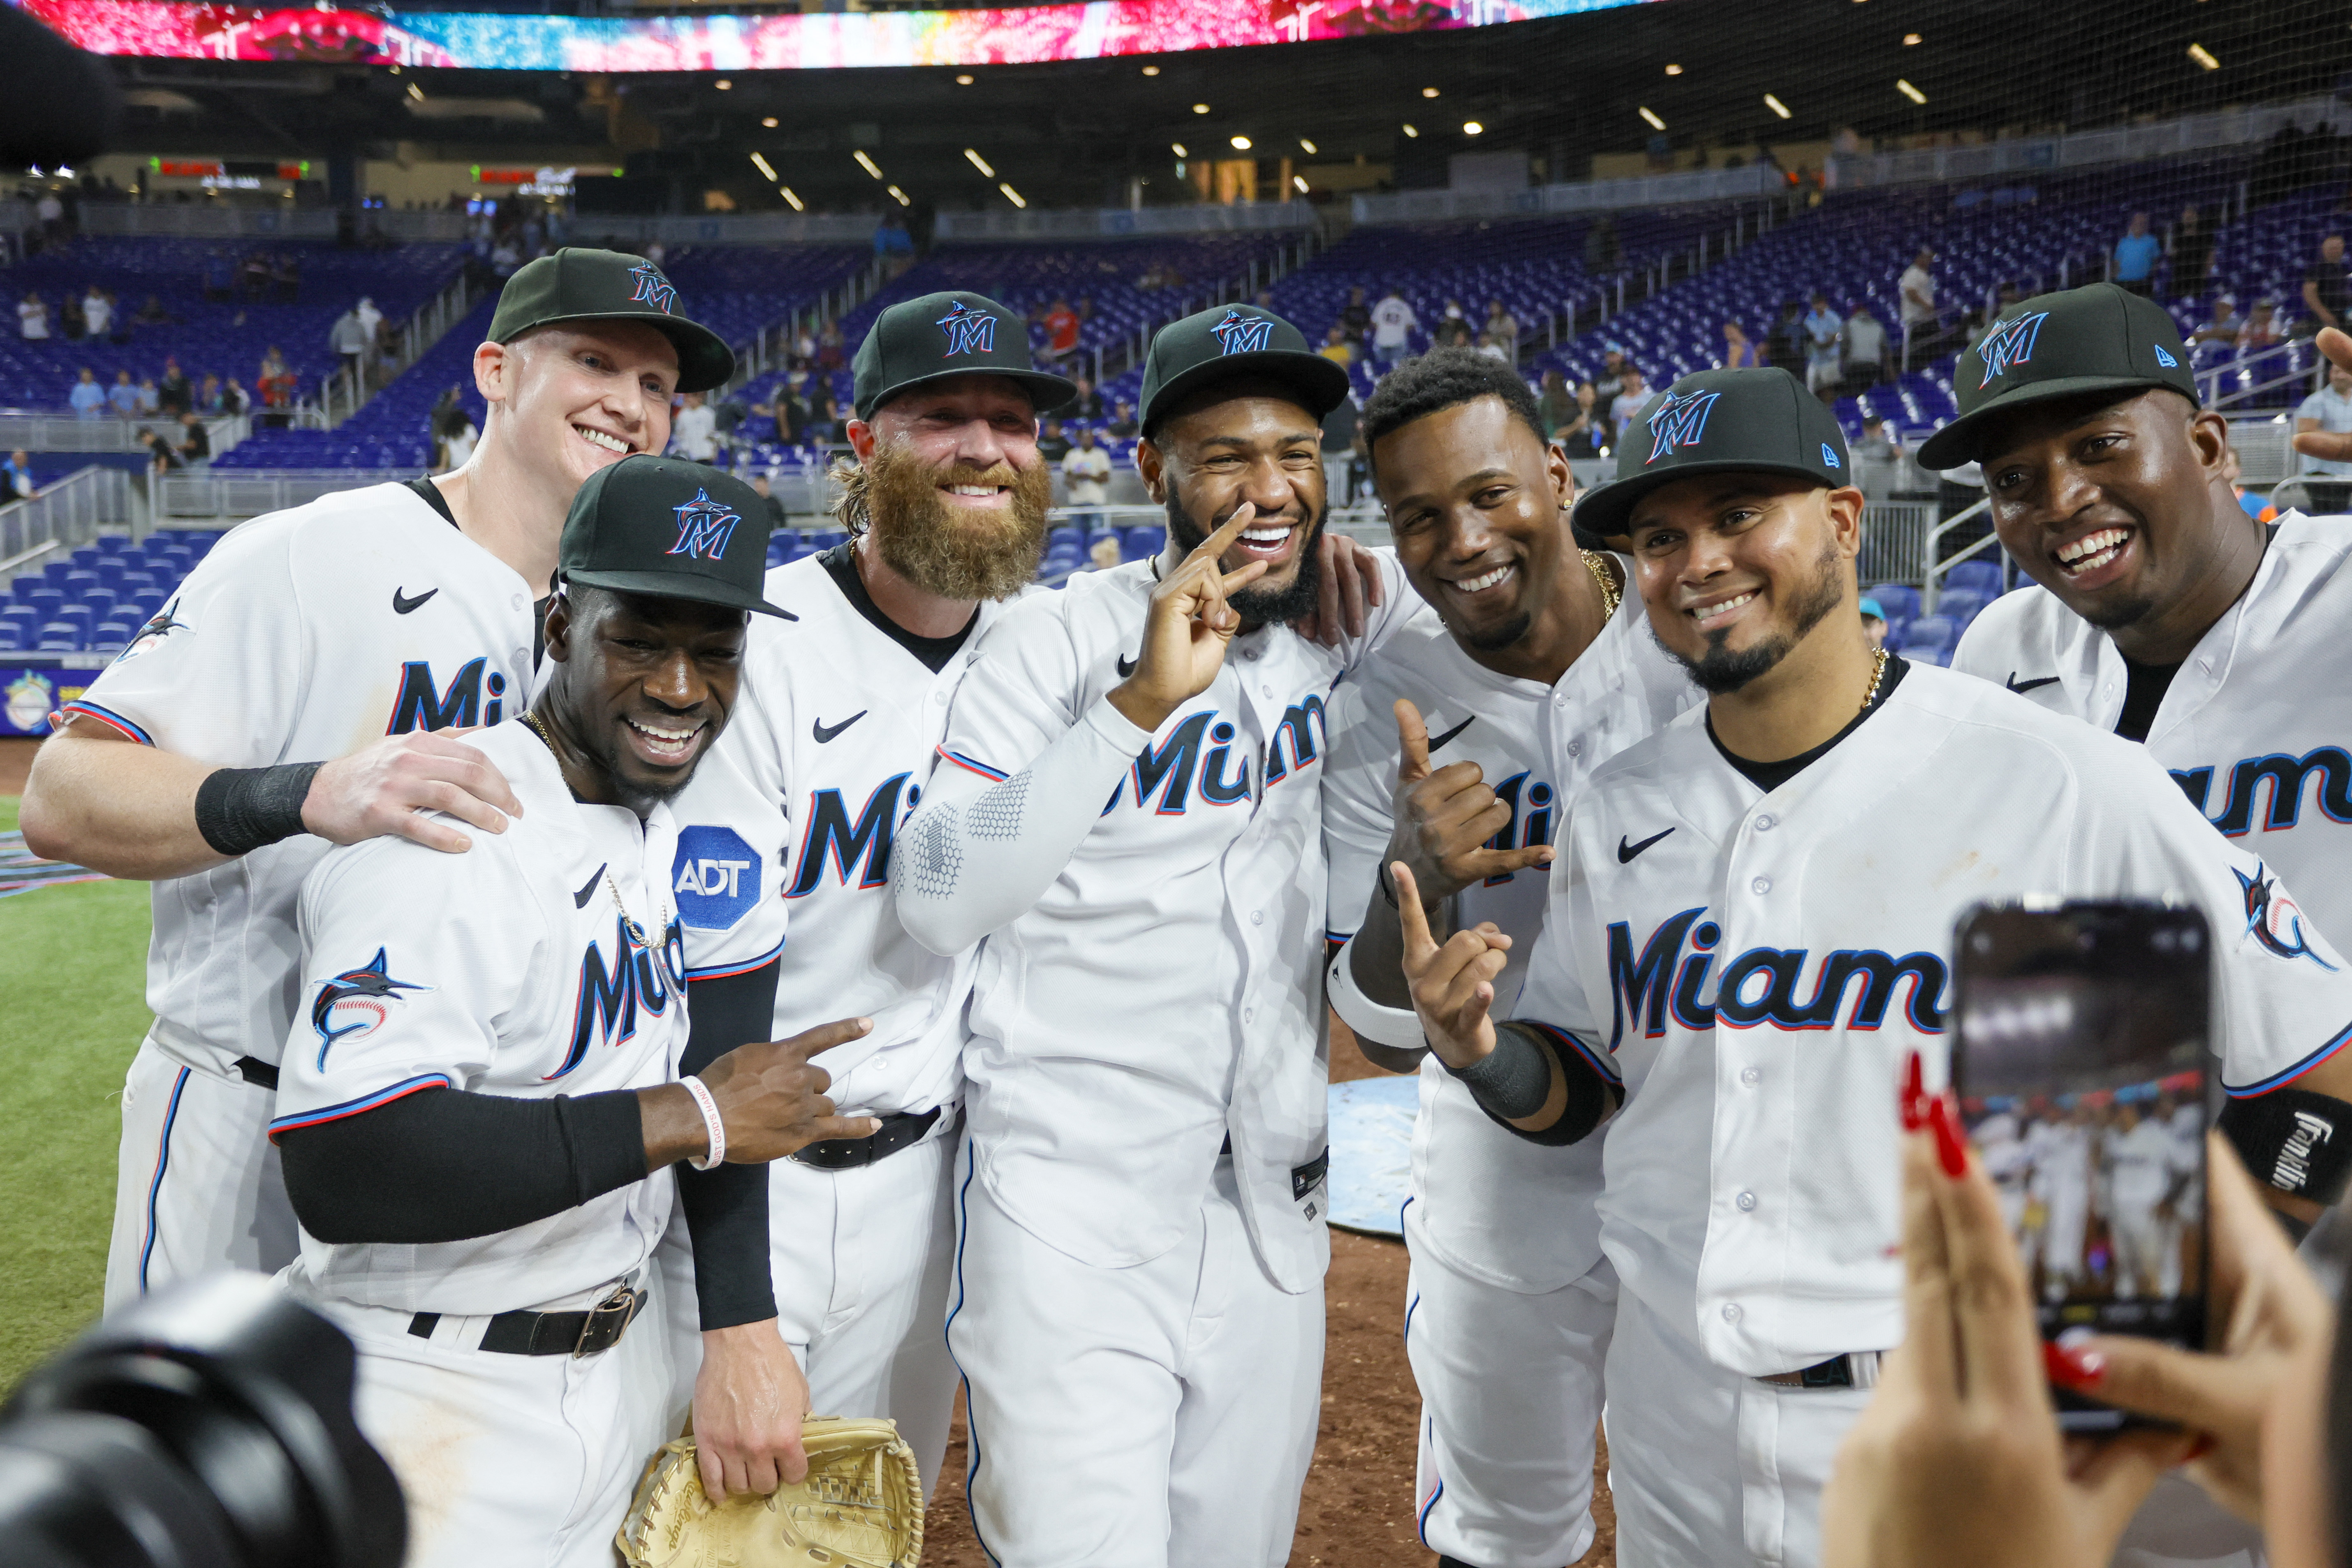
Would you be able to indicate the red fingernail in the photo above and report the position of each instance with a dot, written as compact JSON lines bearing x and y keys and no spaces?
{"x":1914,"y":1095}
{"x":1952,"y":1153}
{"x":2072,"y":1368}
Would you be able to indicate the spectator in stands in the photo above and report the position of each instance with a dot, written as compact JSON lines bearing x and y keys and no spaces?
{"x":1493,"y":348}
{"x":220,"y":278}
{"x":790,"y":412}
{"x":2261,"y":329}
{"x":2136,"y":256}
{"x":1920,"y":320}
{"x":1866,"y":349}
{"x":70,"y":318}
{"x":776,"y":517}
{"x":1873,"y":622}
{"x":2253,"y":503}
{"x":16,"y":478}
{"x":1877,"y":460}
{"x":2328,"y":409}
{"x":829,"y":355}
{"x":694,"y":430}
{"x":88,"y":398}
{"x":1739,"y":353}
{"x":826,"y":428}
{"x":286,"y":277}
{"x":235,"y":399}
{"x":151,"y":313}
{"x":2224,"y":325}
{"x":1586,"y":432}
{"x":1555,"y":405}
{"x":1086,"y":470}
{"x":162,"y":457}
{"x":1338,"y":347}
{"x":97,"y":311}
{"x":253,"y":273}
{"x":1122,"y":421}
{"x":1356,"y":315}
{"x":348,"y":338}
{"x":123,"y":395}
{"x":1453,"y":329}
{"x":2326,"y":291}
{"x":1611,"y":379}
{"x":275,"y":385}
{"x":1394,"y":324}
{"x":1627,"y":404}
{"x":151,"y":400}
{"x":1824,"y":344}
{"x":372,"y":319}
{"x":1503,"y":328}
{"x":32,"y":319}
{"x":51,"y":212}
{"x":1788,"y":340}
{"x":1061,"y":324}
{"x":2192,"y":254}
{"x":174,"y":395}
{"x":1340,"y":430}
{"x":208,"y":395}
{"x":1087,"y":404}
{"x":1053,"y":443}
{"x":456,"y":446}
{"x":195,"y":441}
{"x":1103,"y":553}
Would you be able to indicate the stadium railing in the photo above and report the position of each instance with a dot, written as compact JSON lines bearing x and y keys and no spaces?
{"x":344,"y":394}
{"x":72,"y":511}
{"x":232,"y":493}
{"x":28,"y":430}
{"x":1573,"y":196}
{"x":169,"y":220}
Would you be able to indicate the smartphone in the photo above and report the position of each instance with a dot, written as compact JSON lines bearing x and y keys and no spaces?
{"x":2083,"y":1078}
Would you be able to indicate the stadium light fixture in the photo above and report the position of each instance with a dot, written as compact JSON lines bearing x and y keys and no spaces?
{"x":865,"y":162}
{"x":1429,"y":93}
{"x":1151,"y":70}
{"x":1241,"y":144}
{"x":767,"y":170}
{"x":901,"y":195}
{"x":1911,"y":38}
{"x":2204,"y":57}
{"x":1472,"y":127}
{"x":1200,"y":109}
{"x":1304,"y":145}
{"x":1777,"y":107}
{"x":1300,"y":181}
{"x":769,"y":122}
{"x":979,"y":162}
{"x":1673,"y":70}
{"x":1411,"y":131}
{"x":1651,"y":117}
{"x":1177,"y":148}
{"x":723,"y":84}
{"x":792,"y":199}
{"x":416,"y":93}
{"x":1011,"y":195}
{"x":964,"y":80}
{"x":1907,"y":90}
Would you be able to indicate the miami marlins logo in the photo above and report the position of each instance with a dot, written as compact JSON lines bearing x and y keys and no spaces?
{"x":161,"y":626}
{"x":653,"y":289}
{"x":1241,"y":334}
{"x":704,"y":527}
{"x":353,"y":1003}
{"x":2272,"y":919}
{"x":969,"y":331}
{"x":2009,"y":343}
{"x":1679,"y":422}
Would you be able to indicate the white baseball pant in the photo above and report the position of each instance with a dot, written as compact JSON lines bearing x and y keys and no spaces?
{"x":2138,"y":1239}
{"x":2063,"y":1237}
{"x":196,"y":1185}
{"x":520,"y":1460}
{"x":860,"y":1260}
{"x":1510,"y":1396}
{"x":1161,"y":1416}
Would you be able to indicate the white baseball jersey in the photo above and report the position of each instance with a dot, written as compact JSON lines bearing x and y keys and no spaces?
{"x":2141,"y":1165}
{"x":1761,"y":965}
{"x":2252,"y":729}
{"x":795,"y":815}
{"x":508,"y":970}
{"x":1153,"y":906}
{"x":1492,"y":1206}
{"x":303,"y":637}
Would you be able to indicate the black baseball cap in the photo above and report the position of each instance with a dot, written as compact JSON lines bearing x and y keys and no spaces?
{"x":670,"y":528}
{"x":2097,"y":338}
{"x":579,"y":285}
{"x":1719,"y":422}
{"x":1235,"y":340}
{"x":955,"y":333}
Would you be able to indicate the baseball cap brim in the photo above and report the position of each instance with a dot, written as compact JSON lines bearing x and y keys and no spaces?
{"x":1957,"y":444}
{"x":1048,"y":391}
{"x":680,"y":586}
{"x":1606,"y":510}
{"x":704,"y":360}
{"x":1322,"y":383}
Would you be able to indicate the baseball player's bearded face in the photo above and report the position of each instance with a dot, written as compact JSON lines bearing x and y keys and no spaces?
{"x":1737,"y":570}
{"x":2120,"y":507}
{"x":642,"y":688}
{"x":1475,"y":501}
{"x":1249,"y":446}
{"x":953,"y":489}
{"x":570,"y":400}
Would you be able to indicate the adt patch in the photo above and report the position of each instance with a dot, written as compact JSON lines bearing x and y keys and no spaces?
{"x":716,"y":877}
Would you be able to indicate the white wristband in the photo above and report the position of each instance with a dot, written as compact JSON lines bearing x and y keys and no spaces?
{"x":717,"y":1129}
{"x":1396,"y":1027}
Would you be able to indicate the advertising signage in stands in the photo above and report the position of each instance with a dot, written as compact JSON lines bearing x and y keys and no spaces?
{"x":1021,"y":36}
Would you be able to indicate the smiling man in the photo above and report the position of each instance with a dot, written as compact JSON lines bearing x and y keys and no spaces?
{"x":283,"y":702}
{"x":1747,"y":946}
{"x":1127,"y":809}
{"x":1532,"y":674}
{"x":492,"y":1070}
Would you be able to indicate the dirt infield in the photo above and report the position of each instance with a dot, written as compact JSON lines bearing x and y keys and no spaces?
{"x":16,"y":762}
{"x":1358,"y":1511}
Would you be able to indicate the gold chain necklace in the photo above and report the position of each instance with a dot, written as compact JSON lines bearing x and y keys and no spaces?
{"x":1596,"y":563}
{"x":629,"y":922}
{"x":1877,"y":674}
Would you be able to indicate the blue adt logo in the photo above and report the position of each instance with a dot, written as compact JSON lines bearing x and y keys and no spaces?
{"x":653,"y":289}
{"x":1241,"y":334}
{"x":2008,"y":344}
{"x":1679,"y":422}
{"x":704,"y":528}
{"x":716,"y":877}
{"x":969,"y":331}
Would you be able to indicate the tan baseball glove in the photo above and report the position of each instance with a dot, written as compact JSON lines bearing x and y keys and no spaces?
{"x":861,"y":1507}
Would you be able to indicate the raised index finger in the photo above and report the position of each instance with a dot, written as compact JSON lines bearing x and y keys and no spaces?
{"x":824,"y":1036}
{"x":1418,"y":943}
{"x":1213,"y":548}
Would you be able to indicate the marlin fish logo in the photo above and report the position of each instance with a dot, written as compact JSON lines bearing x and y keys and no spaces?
{"x":704,"y":527}
{"x":162,"y":625}
{"x":1243,"y":334}
{"x":353,"y":1003}
{"x":2008,"y":344}
{"x":969,"y":331}
{"x":2272,"y":919}
{"x":1679,"y":422}
{"x":653,"y":289}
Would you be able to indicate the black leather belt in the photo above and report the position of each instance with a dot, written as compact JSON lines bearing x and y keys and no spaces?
{"x":260,"y":1073}
{"x":900,"y":1132}
{"x":1855,"y":1369}
{"x":590,"y":1333}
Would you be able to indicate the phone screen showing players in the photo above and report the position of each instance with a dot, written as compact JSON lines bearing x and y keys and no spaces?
{"x":2081,"y":1072}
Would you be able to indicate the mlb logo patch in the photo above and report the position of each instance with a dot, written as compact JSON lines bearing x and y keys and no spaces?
{"x":716,"y":877}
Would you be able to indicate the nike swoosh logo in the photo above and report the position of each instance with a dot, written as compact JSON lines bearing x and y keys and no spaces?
{"x":823,"y":731}
{"x":1625,"y":852}
{"x":587,"y":888}
{"x":2016,"y":685}
{"x":402,"y":603}
{"x":1126,"y":667}
{"x":1457,"y":729}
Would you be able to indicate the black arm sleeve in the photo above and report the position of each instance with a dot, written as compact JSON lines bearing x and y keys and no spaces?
{"x":727,"y":1208}
{"x":446,"y":1166}
{"x":1515,"y":1081}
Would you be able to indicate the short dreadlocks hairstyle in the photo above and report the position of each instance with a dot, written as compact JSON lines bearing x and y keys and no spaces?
{"x":1441,"y":379}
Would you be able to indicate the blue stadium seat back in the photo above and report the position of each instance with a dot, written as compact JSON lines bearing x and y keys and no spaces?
{"x":1977,"y":576}
{"x":1959,"y":605}
{"x":111,"y":636}
{"x":1939,"y":656}
{"x":1064,"y":533}
{"x":59,"y":637}
{"x":14,"y":636}
{"x":1899,"y":600}
{"x":1929,"y":632}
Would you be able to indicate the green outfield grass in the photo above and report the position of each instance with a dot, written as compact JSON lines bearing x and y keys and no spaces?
{"x":73,"y":967}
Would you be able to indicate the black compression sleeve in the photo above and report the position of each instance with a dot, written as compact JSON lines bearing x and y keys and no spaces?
{"x":446,"y":1166}
{"x":1515,"y":1081}
{"x":727,"y":1208}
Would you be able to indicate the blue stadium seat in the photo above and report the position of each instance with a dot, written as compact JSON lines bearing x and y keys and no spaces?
{"x":1981,"y":577}
{"x":59,"y":637}
{"x":111,"y":636}
{"x":1899,"y":600}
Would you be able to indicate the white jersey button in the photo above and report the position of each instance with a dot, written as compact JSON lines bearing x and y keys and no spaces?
{"x":1266,"y":690}
{"x":515,"y":603}
{"x":1747,"y":1202}
{"x":1258,"y":917}
{"x":1249,"y":1014}
{"x":1762,"y":885}
{"x":1750,"y":1075}
{"x":941,"y":698}
{"x":1731,"y":1311}
{"x":1576,"y":748}
{"x":1764,"y":822}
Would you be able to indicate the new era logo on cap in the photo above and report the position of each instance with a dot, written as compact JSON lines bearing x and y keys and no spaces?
{"x":1243,"y":334}
{"x":969,"y":331}
{"x":1679,"y":422}
{"x":1830,"y":458}
{"x":2009,"y":343}
{"x":705,"y":527}
{"x":2165,"y":360}
{"x":653,"y":289}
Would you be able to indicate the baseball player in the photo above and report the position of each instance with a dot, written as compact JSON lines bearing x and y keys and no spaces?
{"x":1531,"y":673}
{"x":1128,"y":807}
{"x":2062,"y":1180}
{"x":2144,"y":1173}
{"x":799,"y":808}
{"x":284,"y":700}
{"x":1739,"y":996}
{"x":480,"y":1091}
